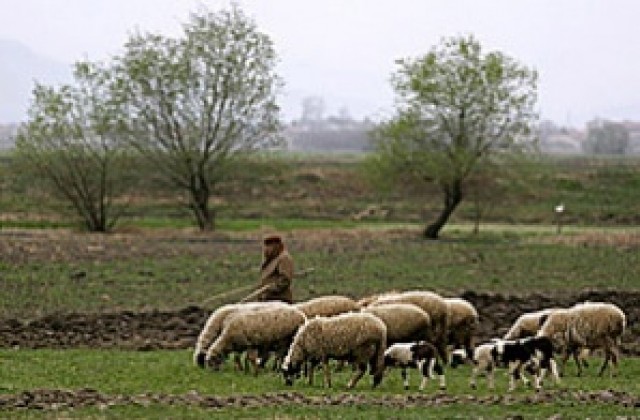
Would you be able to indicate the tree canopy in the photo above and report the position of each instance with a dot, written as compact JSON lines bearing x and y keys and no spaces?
{"x":72,"y":140}
{"x":456,"y":106}
{"x":196,"y":101}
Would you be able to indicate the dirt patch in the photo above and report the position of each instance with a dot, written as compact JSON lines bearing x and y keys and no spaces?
{"x":43,"y":399}
{"x":179,"y":329}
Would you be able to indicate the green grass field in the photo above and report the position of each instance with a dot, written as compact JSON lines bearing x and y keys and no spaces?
{"x":154,"y":261}
{"x":172,"y":373}
{"x":364,"y":263}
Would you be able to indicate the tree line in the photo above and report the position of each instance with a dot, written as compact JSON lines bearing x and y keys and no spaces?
{"x":194,"y":105}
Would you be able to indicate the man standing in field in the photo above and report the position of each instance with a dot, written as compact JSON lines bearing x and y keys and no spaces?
{"x":276,"y":272}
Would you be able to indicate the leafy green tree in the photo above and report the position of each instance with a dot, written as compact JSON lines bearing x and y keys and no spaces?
{"x":198,"y":101}
{"x":606,"y":138}
{"x":72,"y":141}
{"x":456,"y":107}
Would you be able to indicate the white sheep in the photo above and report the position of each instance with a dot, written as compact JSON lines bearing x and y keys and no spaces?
{"x":589,"y":325}
{"x":264,"y":330}
{"x":327,"y":306}
{"x":528,"y":324}
{"x":422,"y":356}
{"x":463,"y":322}
{"x":215,"y":324}
{"x":434,"y":305}
{"x":357,"y":337}
{"x":405,"y":322}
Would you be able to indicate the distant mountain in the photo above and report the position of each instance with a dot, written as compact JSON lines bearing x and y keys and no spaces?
{"x":20,"y":67}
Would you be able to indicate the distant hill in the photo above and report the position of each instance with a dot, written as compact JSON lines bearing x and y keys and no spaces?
{"x":19,"y":69}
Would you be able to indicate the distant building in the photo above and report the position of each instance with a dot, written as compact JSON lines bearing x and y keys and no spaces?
{"x":332,"y":134}
{"x":7,"y":136}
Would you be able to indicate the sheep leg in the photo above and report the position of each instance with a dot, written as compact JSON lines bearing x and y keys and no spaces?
{"x":574,"y":352}
{"x":474,"y":374}
{"x":237,"y":362}
{"x":615,"y":352}
{"x":362,"y":368}
{"x":327,"y":372}
{"x":554,"y":371}
{"x":310,"y":367}
{"x":405,"y":379}
{"x":439,"y":370}
{"x":491,"y":378}
{"x":514,"y":375}
{"x":607,"y":357}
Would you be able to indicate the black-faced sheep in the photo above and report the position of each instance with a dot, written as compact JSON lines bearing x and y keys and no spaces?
{"x":434,"y":305}
{"x":422,"y":356}
{"x":327,"y":306}
{"x":264,"y":330}
{"x":463,"y":322}
{"x":360,"y":338}
{"x":590,"y":325}
{"x":405,"y":322}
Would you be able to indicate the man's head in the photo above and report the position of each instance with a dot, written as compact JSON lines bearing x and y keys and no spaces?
{"x":272,"y":246}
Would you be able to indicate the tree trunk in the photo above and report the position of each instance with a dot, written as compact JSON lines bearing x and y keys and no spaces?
{"x":200,"y":207}
{"x":452,"y":197}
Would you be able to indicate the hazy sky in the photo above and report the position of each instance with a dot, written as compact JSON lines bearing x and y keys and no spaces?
{"x":586,"y":51}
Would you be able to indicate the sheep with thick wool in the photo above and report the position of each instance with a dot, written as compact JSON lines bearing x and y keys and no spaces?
{"x":589,"y":325}
{"x":267,"y":329}
{"x":327,"y":306}
{"x":434,"y":305}
{"x":357,"y":337}
{"x":405,"y":322}
{"x":528,"y":324}
{"x":463,"y":322}
{"x":216,"y":322}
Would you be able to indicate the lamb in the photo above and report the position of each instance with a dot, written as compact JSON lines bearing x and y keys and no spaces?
{"x":434,"y":305}
{"x":463,"y":322}
{"x":532,"y":353}
{"x":357,"y":337}
{"x":405,"y":322}
{"x":216,"y":322}
{"x":266,"y":329}
{"x":589,"y":325}
{"x":327,"y":306}
{"x":422,"y":356}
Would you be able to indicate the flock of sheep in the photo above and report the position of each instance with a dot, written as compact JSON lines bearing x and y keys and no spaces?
{"x":412,"y":329}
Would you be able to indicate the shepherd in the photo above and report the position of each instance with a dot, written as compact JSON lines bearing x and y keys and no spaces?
{"x":276,"y":273}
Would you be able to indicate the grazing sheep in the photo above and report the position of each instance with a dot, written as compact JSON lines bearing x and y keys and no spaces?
{"x":528,"y":324}
{"x":434,"y":305}
{"x":422,"y":356}
{"x":327,"y":306}
{"x":215,"y":324}
{"x":405,"y":322}
{"x":264,"y":330}
{"x":357,"y":337}
{"x":589,"y":325}
{"x":532,"y":353}
{"x":463,"y":322}
{"x":368,"y":300}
